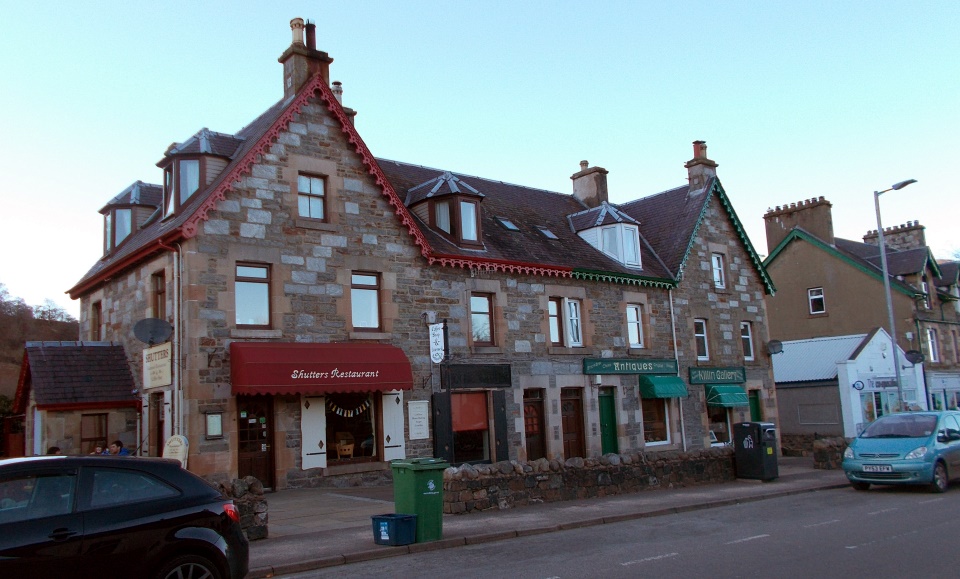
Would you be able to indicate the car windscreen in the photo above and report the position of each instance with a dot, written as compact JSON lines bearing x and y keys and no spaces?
{"x":901,"y":426}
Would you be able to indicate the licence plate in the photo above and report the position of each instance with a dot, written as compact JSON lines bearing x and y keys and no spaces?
{"x":877,"y":468}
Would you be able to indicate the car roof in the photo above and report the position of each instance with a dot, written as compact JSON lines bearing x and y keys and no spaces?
{"x":90,"y":459}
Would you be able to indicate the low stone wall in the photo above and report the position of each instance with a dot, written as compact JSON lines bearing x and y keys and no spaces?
{"x":509,"y":484}
{"x":247,"y":494}
{"x":828,"y":452}
{"x":797,"y":444}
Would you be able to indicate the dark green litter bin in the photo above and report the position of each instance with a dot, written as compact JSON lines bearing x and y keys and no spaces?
{"x":394,"y":529}
{"x":418,"y":489}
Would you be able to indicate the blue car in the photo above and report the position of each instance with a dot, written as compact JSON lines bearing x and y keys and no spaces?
{"x":906,"y":448}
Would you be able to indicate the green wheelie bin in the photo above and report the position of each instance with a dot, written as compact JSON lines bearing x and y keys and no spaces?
{"x":418,"y":490}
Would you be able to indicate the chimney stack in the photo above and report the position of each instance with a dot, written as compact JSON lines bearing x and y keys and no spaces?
{"x":700,"y":169}
{"x":909,"y":235}
{"x":303,"y":61}
{"x":590,"y":185}
{"x":814,"y":216}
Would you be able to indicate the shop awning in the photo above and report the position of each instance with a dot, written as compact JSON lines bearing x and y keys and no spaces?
{"x":652,"y":386}
{"x":300,"y":368}
{"x":726,"y":395}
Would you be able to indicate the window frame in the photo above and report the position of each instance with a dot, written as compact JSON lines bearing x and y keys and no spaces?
{"x":665,"y":405}
{"x":925,"y":288}
{"x":242,"y":279}
{"x":636,"y":324}
{"x":96,"y":321}
{"x":699,"y":337}
{"x":311,"y":195}
{"x":360,"y":287}
{"x":573,"y":316}
{"x":933,"y":345}
{"x":451,"y":223}
{"x":555,"y":321}
{"x":621,"y":232}
{"x":98,"y":439}
{"x":173,"y":197}
{"x":158,"y":281}
{"x":746,"y":341}
{"x":718,"y":266}
{"x":811,"y":298}
{"x":491,"y":336}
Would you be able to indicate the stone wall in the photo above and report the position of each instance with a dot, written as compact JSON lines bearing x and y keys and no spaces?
{"x":247,"y":495}
{"x":797,"y":444}
{"x":828,"y":453}
{"x":509,"y":484}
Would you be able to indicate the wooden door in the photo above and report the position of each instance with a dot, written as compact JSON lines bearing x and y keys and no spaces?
{"x":533,"y":424}
{"x":571,"y":414}
{"x":157,"y":414}
{"x":608,"y":421}
{"x":255,"y":436}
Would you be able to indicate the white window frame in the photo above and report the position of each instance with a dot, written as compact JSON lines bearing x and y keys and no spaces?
{"x":812,"y":296}
{"x":635,"y":325}
{"x":573,"y":316}
{"x":719,"y":273}
{"x":667,"y":418}
{"x":926,"y":294}
{"x":746,"y":340}
{"x":625,"y":246}
{"x":701,"y":336}
{"x":933,"y":345}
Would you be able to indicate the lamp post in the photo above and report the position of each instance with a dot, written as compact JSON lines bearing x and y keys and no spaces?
{"x":886,"y":284}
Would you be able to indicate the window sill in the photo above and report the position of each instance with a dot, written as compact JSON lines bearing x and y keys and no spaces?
{"x":819,"y":315}
{"x":260,"y":334}
{"x":660,"y":446}
{"x":486,"y":350}
{"x":633,"y":351}
{"x":370,"y":336}
{"x":314,"y":224}
{"x":561,"y":351}
{"x":355,"y":468}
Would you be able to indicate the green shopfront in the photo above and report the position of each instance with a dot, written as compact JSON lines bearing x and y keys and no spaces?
{"x":724,"y":394}
{"x":660,"y":390}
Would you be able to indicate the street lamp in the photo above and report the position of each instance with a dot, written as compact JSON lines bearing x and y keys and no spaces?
{"x":886,"y":284}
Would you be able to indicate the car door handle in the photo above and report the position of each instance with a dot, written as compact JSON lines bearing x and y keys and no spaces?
{"x":61,"y":534}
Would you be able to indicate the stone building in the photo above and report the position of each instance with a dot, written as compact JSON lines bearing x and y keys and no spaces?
{"x":303,"y":278}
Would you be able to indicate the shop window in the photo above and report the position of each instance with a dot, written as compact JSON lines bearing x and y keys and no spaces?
{"x":471,"y":439}
{"x":719,"y":418}
{"x":252,"y":291}
{"x":481,"y":319}
{"x":746,"y":340}
{"x":719,"y":274}
{"x":351,"y":427}
{"x":534,"y":426}
{"x":656,"y":421}
{"x":700,"y":338}
{"x":93,"y":432}
{"x":816,"y":301}
{"x":365,"y":301}
{"x":311,"y":200}
{"x":635,"y":325}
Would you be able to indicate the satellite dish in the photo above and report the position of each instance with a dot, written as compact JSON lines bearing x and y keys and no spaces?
{"x":152,"y":330}
{"x":774,"y":347}
{"x":913,"y":356}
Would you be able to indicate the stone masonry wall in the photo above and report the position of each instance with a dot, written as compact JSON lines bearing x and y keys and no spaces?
{"x":509,"y":484}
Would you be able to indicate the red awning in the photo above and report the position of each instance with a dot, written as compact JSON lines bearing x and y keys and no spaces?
{"x":301,"y":368}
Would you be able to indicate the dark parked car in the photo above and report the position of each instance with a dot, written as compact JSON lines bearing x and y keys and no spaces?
{"x":93,"y":516}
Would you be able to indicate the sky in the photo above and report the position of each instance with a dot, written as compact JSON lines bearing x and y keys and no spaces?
{"x":795,"y":100}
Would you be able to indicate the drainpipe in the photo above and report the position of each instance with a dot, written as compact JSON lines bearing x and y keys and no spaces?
{"x":676,"y":356}
{"x":176,"y":416}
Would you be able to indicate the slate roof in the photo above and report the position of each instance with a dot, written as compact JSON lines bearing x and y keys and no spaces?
{"x":69,"y":374}
{"x":899,"y":262}
{"x":207,"y":142}
{"x":814,"y":359}
{"x":604,"y":214}
{"x":139,"y":193}
{"x":949,"y":271}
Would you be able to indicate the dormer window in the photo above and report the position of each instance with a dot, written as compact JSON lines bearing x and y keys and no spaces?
{"x":117,"y":227}
{"x":621,"y":242}
{"x":458,"y":219}
{"x":181,"y":179}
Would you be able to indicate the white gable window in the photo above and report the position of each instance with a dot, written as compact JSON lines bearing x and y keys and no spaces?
{"x":719,"y":276}
{"x":621,"y":242}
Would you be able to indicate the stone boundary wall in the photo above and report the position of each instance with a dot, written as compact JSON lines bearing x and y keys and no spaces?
{"x":797,"y":444}
{"x":509,"y":484}
{"x":247,"y":495}
{"x":828,"y":452}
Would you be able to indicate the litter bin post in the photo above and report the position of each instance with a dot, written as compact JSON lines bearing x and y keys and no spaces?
{"x":755,"y":448}
{"x":418,"y":489}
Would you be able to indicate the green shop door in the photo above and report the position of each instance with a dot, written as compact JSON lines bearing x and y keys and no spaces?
{"x":754,"y":398}
{"x":608,"y":421}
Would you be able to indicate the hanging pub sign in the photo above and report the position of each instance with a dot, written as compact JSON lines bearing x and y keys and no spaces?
{"x":156,"y":366}
{"x":717,"y":375}
{"x":437,"y":353}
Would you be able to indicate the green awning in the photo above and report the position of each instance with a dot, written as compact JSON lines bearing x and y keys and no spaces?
{"x":652,"y":386}
{"x":726,"y":395}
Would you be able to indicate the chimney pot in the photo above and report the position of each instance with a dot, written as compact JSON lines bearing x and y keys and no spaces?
{"x":296,"y":26}
{"x":311,"y":35}
{"x":584,"y":165}
{"x":338,"y":91}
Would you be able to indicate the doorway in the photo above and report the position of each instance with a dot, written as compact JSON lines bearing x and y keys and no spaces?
{"x":157,"y":414}
{"x":533,"y":424}
{"x":571,"y":415}
{"x":608,"y":421}
{"x":754,"y":399}
{"x":255,"y":436}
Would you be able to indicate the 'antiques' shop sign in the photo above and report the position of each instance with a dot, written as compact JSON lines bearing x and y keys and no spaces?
{"x":628,"y":366}
{"x":735,"y":375}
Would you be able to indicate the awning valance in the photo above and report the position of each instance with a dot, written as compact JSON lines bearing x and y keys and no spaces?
{"x":652,"y":386}
{"x":302,"y":368}
{"x":727,"y":395}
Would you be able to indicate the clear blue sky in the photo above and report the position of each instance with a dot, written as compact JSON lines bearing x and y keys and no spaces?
{"x":795,"y":100}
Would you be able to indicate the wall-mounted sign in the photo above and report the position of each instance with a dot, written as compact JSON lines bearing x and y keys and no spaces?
{"x":628,"y":366}
{"x":734,"y":375}
{"x":436,"y":343}
{"x":418,"y":414}
{"x":156,"y":366}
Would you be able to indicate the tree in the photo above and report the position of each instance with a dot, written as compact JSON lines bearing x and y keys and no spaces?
{"x":51,"y":312}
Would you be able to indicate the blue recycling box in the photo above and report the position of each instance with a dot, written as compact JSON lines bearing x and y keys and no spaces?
{"x":394,"y":529}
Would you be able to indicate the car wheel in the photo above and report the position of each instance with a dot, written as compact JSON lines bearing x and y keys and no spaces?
{"x":189,"y":567}
{"x":861,"y":486}
{"x":940,"y":483}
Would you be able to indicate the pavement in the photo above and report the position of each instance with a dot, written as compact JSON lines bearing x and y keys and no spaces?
{"x":325,"y":527}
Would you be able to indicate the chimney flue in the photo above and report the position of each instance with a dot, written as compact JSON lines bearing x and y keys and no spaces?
{"x":311,"y":35}
{"x":296,"y":26}
{"x":338,"y":91}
